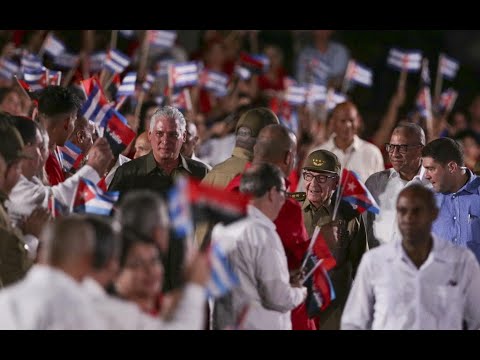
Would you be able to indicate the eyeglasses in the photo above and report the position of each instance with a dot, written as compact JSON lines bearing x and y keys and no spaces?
{"x":402,"y":148}
{"x":282,"y":191}
{"x":321,"y":179}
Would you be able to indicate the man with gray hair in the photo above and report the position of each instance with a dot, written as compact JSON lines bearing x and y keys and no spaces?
{"x":405,"y":153}
{"x":157,"y":170}
{"x":51,"y":295}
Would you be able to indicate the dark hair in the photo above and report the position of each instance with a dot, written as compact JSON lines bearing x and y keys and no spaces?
{"x":443,"y":151}
{"x":4,"y":91}
{"x":468,"y":133}
{"x":56,"y":100}
{"x":420,"y":191}
{"x":107,"y":241}
{"x":26,"y":127}
{"x":259,"y":179}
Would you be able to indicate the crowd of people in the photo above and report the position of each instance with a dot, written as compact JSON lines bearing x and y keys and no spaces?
{"x":391,"y":223}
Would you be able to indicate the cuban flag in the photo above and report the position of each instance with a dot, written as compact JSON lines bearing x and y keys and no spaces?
{"x":179,"y":208}
{"x":31,"y":61}
{"x":90,"y":199}
{"x":181,"y":100}
{"x":214,"y":81}
{"x":36,"y":79}
{"x":424,"y":97}
{"x":319,"y":71}
{"x":409,"y":60}
{"x":57,"y":208}
{"x":127,"y":87}
{"x":164,"y":39}
{"x":334,"y":98}
{"x":71,"y":156}
{"x":54,"y":77}
{"x":359,"y":73}
{"x":8,"y":68}
{"x":148,"y":82}
{"x":320,"y":288}
{"x":447,"y":100}
{"x":296,"y":95}
{"x":448,"y":66}
{"x":66,"y":60}
{"x":96,"y":61}
{"x":117,"y":131}
{"x":53,"y":46}
{"x":356,"y":193}
{"x":288,"y":81}
{"x":316,"y":94}
{"x":183,"y":74}
{"x":264,"y":60}
{"x":116,"y":61}
{"x":242,"y":72}
{"x":96,"y":106}
{"x":252,"y":63}
{"x":162,"y":66}
{"x":223,"y":278}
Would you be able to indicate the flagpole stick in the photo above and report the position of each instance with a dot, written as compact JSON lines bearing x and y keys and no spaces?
{"x":121,"y":102}
{"x":310,"y":246}
{"x":139,"y":105}
{"x":113,"y":39}
{"x":317,"y":265}
{"x":142,"y":66}
{"x":59,"y":79}
{"x":67,"y":78}
{"x":109,"y":80}
{"x":450,"y":105}
{"x":41,"y":52}
{"x":428,"y":105}
{"x":345,"y":78}
{"x":24,"y":92}
{"x":438,"y":82}
{"x":341,"y":188}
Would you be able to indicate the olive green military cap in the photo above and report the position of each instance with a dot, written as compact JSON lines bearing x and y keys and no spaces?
{"x":322,"y":161}
{"x":256,"y":119}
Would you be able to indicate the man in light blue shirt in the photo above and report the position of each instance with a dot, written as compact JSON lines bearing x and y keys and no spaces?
{"x":457,"y":194}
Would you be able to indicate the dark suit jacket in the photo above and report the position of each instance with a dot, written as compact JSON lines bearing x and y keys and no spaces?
{"x":143,"y":173}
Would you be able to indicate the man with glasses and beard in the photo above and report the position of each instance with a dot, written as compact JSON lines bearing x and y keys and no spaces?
{"x":405,"y":154}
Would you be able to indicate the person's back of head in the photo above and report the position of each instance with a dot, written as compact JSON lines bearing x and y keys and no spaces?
{"x":107,"y":241}
{"x":68,"y":244}
{"x":276,"y":144}
{"x":251,"y":123}
{"x":56,"y":100}
{"x":144,"y":213}
{"x":443,"y":151}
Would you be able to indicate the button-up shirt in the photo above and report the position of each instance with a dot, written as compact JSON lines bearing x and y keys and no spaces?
{"x":385,"y":187}
{"x":459,"y":217}
{"x":362,"y":157}
{"x":390,"y":292}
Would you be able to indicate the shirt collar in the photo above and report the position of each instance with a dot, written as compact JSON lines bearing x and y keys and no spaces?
{"x":257,"y":214}
{"x":472,"y":184}
{"x":420,"y":175}
{"x":93,"y":287}
{"x":151,"y":164}
{"x":438,"y":250}
{"x":242,"y":153}
{"x":306,"y":205}
{"x":354,"y":146}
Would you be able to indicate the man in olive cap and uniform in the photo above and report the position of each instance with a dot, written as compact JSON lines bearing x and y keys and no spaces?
{"x":346,"y":236}
{"x":14,"y":260}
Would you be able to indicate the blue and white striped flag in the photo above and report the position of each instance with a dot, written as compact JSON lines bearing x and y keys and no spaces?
{"x":90,"y":199}
{"x":223,"y":278}
{"x":127,"y":87}
{"x":179,"y":208}
{"x":148,"y":82}
{"x":409,"y":60}
{"x":448,"y":66}
{"x":8,"y":68}
{"x":359,"y":73}
{"x":116,"y":61}
{"x":183,"y":74}
{"x":66,"y":60}
{"x":53,"y":46}
{"x":164,"y":39}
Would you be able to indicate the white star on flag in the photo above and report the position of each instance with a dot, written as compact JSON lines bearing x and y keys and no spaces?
{"x":351,"y":186}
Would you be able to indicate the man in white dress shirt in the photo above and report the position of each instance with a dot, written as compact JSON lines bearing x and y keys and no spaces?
{"x":405,"y":153}
{"x":257,"y":256}
{"x":124,"y":315}
{"x":419,"y":282}
{"x":51,"y":296}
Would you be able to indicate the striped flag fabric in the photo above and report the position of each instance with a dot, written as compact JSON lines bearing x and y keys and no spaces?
{"x":96,"y":60}
{"x":296,"y":95}
{"x":90,"y":199}
{"x":334,"y":98}
{"x":183,"y":74}
{"x":71,"y":156}
{"x":316,"y":94}
{"x":66,"y":60}
{"x":8,"y":68}
{"x":162,"y":66}
{"x":319,"y":71}
{"x":424,"y":97}
{"x":359,"y":73}
{"x":214,"y":81}
{"x":181,"y":100}
{"x":223,"y":278}
{"x":409,"y":60}
{"x":356,"y":193}
{"x":96,"y":106}
{"x":53,"y":46}
{"x":447,"y":100}
{"x":264,"y":60}
{"x":54,"y":77}
{"x":116,"y":61}
{"x":254,"y":64}
{"x":448,"y":66}
{"x":57,"y":208}
{"x":127,"y":87}
{"x":179,"y":208}
{"x":31,"y":61}
{"x":164,"y":39}
{"x":117,"y":131}
{"x":36,"y":79}
{"x":148,"y":82}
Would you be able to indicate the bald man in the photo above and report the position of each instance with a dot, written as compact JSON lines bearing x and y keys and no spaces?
{"x":419,"y":282}
{"x":405,"y":153}
{"x":352,"y":152}
{"x":51,"y":295}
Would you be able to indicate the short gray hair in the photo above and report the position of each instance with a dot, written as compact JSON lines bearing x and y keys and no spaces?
{"x":171,"y":113}
{"x":142,"y":211}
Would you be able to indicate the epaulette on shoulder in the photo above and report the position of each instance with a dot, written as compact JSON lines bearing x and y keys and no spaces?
{"x":299,"y":196}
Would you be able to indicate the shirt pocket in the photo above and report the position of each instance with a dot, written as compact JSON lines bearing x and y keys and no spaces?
{"x":444,"y":305}
{"x":473,"y":222}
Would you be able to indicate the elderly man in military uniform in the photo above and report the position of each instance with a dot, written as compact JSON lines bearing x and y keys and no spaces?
{"x":346,"y":236}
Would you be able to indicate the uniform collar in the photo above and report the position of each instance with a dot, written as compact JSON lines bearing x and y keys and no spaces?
{"x":307,"y":205}
{"x":151,"y":164}
{"x":242,"y":153}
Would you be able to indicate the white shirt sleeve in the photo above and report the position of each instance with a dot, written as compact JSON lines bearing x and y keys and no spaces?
{"x":472,"y":292}
{"x":358,"y":312}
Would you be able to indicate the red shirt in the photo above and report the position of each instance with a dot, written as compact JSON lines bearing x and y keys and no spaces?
{"x":54,"y":170}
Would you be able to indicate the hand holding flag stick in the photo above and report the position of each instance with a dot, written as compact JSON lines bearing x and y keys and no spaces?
{"x":310,"y":273}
